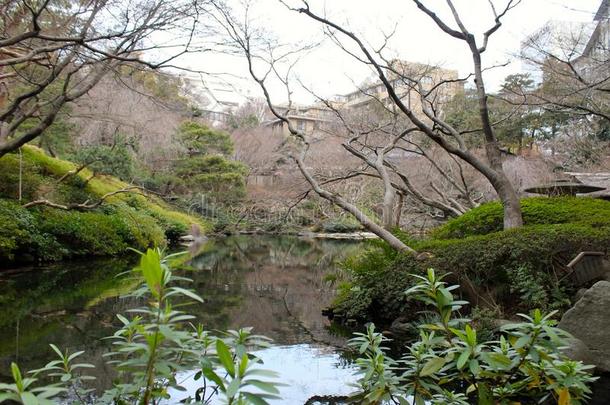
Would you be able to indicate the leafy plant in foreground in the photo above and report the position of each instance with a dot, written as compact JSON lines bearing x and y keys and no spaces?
{"x":155,"y":351}
{"x":450,"y":365}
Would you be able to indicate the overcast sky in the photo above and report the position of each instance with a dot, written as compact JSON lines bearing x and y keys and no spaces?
{"x":328,"y":70}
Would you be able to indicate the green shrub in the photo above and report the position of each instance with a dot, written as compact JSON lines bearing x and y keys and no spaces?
{"x":116,"y":160}
{"x":376,"y":290}
{"x":31,"y":179}
{"x":42,"y":234}
{"x":453,"y":364}
{"x":172,"y":228}
{"x":341,"y":225}
{"x":491,"y":264}
{"x":14,"y":230}
{"x":142,"y":229}
{"x":20,"y":239}
{"x":71,"y":190}
{"x":488,"y":217}
{"x":81,"y":233}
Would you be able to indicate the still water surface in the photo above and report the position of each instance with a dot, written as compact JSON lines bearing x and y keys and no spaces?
{"x":274,"y":284}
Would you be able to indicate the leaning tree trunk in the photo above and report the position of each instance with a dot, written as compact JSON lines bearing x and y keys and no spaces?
{"x":364,"y":220}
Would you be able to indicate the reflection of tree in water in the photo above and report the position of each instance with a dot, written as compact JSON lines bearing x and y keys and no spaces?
{"x":273,"y":284}
{"x":279,"y":282}
{"x":70,"y":305}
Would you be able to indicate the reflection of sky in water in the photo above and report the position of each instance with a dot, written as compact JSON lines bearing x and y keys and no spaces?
{"x":274,"y":284}
{"x":307,"y":370}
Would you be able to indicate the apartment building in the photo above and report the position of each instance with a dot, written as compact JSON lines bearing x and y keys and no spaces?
{"x":308,"y":119}
{"x":594,"y":62}
{"x":216,"y":98}
{"x":411,"y":81}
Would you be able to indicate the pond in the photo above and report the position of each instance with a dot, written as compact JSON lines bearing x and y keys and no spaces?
{"x":274,"y":284}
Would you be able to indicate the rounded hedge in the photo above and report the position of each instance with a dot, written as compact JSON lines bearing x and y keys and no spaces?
{"x":488,"y":217}
{"x":511,"y":271}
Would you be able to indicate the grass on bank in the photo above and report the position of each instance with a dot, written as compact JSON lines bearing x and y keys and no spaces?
{"x":505,"y":272}
{"x":41,"y":233}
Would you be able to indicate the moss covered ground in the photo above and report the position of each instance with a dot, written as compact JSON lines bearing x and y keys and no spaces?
{"x":503,"y":271}
{"x":42,"y":234}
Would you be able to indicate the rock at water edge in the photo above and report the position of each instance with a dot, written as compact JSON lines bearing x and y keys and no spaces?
{"x":589,"y":321}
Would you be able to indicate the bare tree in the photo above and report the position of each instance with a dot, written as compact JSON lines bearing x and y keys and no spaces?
{"x":433,"y":125}
{"x":53,"y":52}
{"x":376,"y":134}
{"x":574,"y":62}
{"x":400,"y":85}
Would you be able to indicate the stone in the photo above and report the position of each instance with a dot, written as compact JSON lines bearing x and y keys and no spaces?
{"x":402,"y":329}
{"x":606,"y":275}
{"x":579,"y":294}
{"x":576,"y":349}
{"x":589,"y":321}
{"x":498,"y":324}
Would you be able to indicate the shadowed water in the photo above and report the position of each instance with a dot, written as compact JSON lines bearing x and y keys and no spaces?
{"x":274,"y":284}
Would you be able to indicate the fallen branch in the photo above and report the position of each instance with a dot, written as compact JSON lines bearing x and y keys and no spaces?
{"x":85,"y":205}
{"x":77,"y":170}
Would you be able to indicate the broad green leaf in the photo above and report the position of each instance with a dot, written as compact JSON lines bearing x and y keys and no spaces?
{"x":255,"y":399}
{"x":150,"y":266}
{"x":7,"y":397}
{"x":262,"y":373}
{"x":262,"y":385}
{"x":522,"y":341}
{"x":188,"y":293}
{"x":474,"y":367}
{"x":500,"y":360}
{"x":243,"y":365}
{"x":82,"y":365}
{"x":233,"y":387}
{"x":17,"y":376}
{"x":432,"y":366}
{"x":56,"y":350}
{"x":461,"y":362}
{"x":123,"y":320}
{"x":225,"y":357}
{"x":212,"y":376}
{"x":27,"y":398}
{"x":75,"y":354}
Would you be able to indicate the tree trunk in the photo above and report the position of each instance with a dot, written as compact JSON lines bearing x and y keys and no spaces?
{"x":510,"y":200}
{"x":513,"y":217}
{"x":370,"y":225}
{"x":389,"y":195}
{"x":398,"y":211}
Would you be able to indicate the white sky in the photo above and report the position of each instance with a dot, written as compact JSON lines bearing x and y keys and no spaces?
{"x":328,"y":70}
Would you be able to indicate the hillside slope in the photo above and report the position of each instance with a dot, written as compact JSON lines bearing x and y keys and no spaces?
{"x":41,"y":233}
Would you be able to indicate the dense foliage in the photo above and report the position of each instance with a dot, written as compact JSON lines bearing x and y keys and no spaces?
{"x":207,"y":170}
{"x":41,"y":233}
{"x":157,"y":343}
{"x":507,"y":271}
{"x":213,"y":176}
{"x":152,"y":346}
{"x":198,"y":139}
{"x":487,"y":218}
{"x":115,"y":160}
{"x":451,"y":365}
